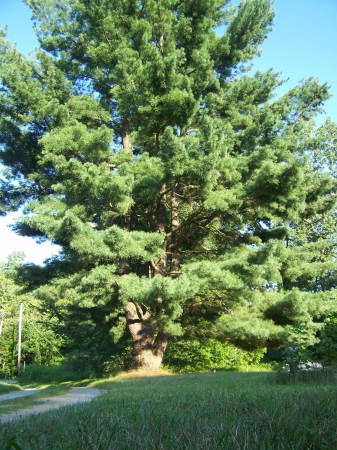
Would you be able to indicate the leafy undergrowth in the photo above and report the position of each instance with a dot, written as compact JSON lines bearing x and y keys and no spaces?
{"x":199,"y":411}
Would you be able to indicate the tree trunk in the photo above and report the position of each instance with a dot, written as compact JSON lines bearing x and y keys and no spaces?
{"x":148,"y":346}
{"x":126,"y":220}
{"x":147,"y":355}
{"x":161,"y":228}
{"x":175,"y":257}
{"x":126,"y":141}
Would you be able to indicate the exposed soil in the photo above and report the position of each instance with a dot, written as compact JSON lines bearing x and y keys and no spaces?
{"x":74,"y":395}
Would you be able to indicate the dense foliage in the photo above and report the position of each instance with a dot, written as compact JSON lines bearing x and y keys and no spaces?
{"x":185,"y":197}
{"x":326,"y":349}
{"x":204,"y":355}
{"x":40,"y":343}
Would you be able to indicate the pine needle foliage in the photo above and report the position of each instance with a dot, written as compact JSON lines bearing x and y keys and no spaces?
{"x":173,"y":179}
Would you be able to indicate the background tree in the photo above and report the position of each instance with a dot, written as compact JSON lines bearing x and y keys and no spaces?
{"x":171,"y":179}
{"x":326,"y":349}
{"x":40,"y":344}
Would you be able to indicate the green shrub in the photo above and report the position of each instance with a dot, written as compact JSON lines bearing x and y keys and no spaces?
{"x":326,"y":349}
{"x":207,"y":354}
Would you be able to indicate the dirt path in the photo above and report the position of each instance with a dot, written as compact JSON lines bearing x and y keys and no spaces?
{"x":18,"y":394}
{"x":74,"y":395}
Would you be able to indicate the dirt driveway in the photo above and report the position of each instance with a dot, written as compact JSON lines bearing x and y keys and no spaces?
{"x":18,"y":394}
{"x":74,"y":395}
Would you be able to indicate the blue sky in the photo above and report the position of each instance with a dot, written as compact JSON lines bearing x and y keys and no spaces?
{"x":303,"y":43}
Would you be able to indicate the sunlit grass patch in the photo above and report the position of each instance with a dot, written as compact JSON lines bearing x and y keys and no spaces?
{"x":141,"y":373}
{"x":8,"y":387}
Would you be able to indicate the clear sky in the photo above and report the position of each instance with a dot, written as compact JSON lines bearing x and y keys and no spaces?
{"x":303,"y":43}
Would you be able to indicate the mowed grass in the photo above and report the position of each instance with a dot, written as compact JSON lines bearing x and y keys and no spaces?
{"x":199,"y":411}
{"x":5,"y":388}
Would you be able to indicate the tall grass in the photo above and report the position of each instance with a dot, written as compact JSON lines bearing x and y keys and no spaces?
{"x":8,"y":387}
{"x":321,"y":376}
{"x":36,"y":373}
{"x":199,"y":411}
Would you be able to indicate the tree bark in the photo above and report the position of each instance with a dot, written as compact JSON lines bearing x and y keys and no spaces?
{"x":161,"y":228}
{"x":148,"y":347}
{"x":126,"y":141}
{"x":126,"y":220}
{"x":175,"y":258}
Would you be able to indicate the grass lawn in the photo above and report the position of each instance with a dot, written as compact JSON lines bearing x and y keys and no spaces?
{"x":8,"y":387}
{"x":200,"y":411}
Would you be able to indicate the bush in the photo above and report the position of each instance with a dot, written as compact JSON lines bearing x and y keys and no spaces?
{"x":202,"y":355}
{"x":297,"y":368}
{"x":327,"y":346}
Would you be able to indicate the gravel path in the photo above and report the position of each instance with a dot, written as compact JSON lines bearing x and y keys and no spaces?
{"x":18,"y":394}
{"x":74,"y":395}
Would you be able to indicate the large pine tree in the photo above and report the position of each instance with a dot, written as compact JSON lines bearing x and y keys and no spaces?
{"x":173,"y":180}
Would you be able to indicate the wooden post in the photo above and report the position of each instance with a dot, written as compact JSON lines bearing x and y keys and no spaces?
{"x":19,"y":341}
